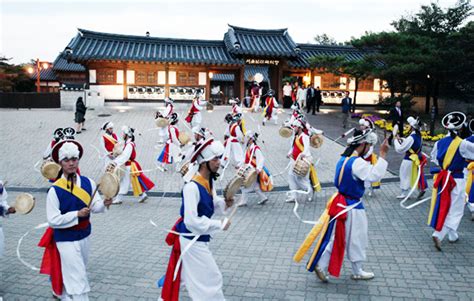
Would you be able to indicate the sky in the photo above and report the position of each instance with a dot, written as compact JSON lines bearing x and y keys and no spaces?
{"x":41,"y":29}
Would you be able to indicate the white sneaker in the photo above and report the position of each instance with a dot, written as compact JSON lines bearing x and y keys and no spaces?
{"x":242,"y":203}
{"x":262,"y":202}
{"x":117,"y":202}
{"x":143,"y":198}
{"x":401,"y":196}
{"x":290,"y":200}
{"x":363,"y":276}
{"x":370,"y":192}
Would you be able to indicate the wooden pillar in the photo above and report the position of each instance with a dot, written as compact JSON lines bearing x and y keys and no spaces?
{"x":125,"y":80}
{"x":167,"y":84}
{"x":208,"y":85}
{"x":241,"y":81}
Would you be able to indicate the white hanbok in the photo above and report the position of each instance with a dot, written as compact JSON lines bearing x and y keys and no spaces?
{"x":4,"y":208}
{"x":74,"y":254}
{"x":296,"y":182}
{"x":233,"y":148}
{"x":456,"y":210}
{"x":406,"y":165}
{"x":259,"y":161}
{"x":120,"y":161}
{"x":199,"y":271}
{"x":356,"y":223}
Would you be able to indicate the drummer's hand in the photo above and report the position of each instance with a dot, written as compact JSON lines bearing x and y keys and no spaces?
{"x":227,"y":225}
{"x":84,"y":212}
{"x":111,"y":157}
{"x":107,"y":203}
{"x":229,"y":203}
{"x":11,"y":210}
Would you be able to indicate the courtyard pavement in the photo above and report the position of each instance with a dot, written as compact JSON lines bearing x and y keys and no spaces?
{"x":128,"y":255}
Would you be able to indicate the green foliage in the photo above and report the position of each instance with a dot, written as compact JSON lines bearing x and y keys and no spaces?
{"x":13,"y":78}
{"x":324,"y":39}
{"x":406,"y":101}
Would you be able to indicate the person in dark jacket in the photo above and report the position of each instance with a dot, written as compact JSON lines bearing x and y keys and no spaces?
{"x":346,"y":104}
{"x":79,"y":116}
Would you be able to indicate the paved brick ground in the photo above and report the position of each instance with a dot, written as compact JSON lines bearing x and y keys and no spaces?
{"x":128,"y":255}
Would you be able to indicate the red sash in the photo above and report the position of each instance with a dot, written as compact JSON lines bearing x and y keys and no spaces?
{"x":269,"y":108}
{"x":170,"y":291}
{"x":110,"y":141}
{"x":339,"y":246}
{"x":445,"y":198}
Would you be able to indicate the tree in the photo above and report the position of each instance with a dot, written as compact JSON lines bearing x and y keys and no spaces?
{"x":13,"y":78}
{"x":339,"y":65}
{"x":324,"y":39}
{"x":422,"y":50}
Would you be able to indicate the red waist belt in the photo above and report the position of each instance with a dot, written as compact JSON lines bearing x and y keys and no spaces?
{"x":81,"y":226}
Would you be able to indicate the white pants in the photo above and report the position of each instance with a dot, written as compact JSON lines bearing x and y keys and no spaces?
{"x":298,"y":183}
{"x":234,"y":150}
{"x":255,"y":187}
{"x":125,"y":182}
{"x":199,"y":272}
{"x":356,"y":241}
{"x":455,"y":213}
{"x":405,"y":174}
{"x":196,"y":121}
{"x":274,"y":117}
{"x":74,"y":255}
{"x":2,"y":242}
{"x":162,"y":134}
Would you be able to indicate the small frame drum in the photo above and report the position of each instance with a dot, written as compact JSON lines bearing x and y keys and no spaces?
{"x":301,"y":167}
{"x":285,"y":132}
{"x":50,"y":169}
{"x":209,"y":107}
{"x":161,"y":122}
{"x":316,"y":140}
{"x":118,"y":150}
{"x":248,"y":175}
{"x":110,"y":181}
{"x":24,"y":203}
{"x":232,"y":187}
{"x":183,"y":138}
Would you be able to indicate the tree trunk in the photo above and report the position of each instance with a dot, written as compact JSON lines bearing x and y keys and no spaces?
{"x":435,"y":96}
{"x":355,"y":94}
{"x":428,"y":96}
{"x":391,"y":86}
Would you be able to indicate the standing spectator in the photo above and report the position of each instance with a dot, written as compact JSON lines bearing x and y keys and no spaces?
{"x":310,"y":99}
{"x":346,"y":104}
{"x":294,"y":91}
{"x":301,"y":96}
{"x":80,"y":113}
{"x":396,"y":116}
{"x":319,"y":99}
{"x":287,"y":95}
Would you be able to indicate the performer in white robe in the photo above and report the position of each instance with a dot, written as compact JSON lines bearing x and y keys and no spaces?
{"x":199,"y":272}
{"x":233,"y":141}
{"x":236,"y":106}
{"x":199,"y":134}
{"x":411,"y":145}
{"x":167,"y":112}
{"x":194,"y":117}
{"x":108,"y":140}
{"x":254,"y":157}
{"x":300,"y":147}
{"x":469,"y":174}
{"x":172,"y":149}
{"x":448,"y":200}
{"x":5,"y":210}
{"x":346,"y":210}
{"x":133,"y":174}
{"x":68,"y":208}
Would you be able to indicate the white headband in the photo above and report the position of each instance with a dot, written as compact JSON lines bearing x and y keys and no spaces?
{"x":68,"y":150}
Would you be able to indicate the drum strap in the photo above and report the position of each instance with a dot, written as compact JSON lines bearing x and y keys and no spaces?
{"x":76,"y":191}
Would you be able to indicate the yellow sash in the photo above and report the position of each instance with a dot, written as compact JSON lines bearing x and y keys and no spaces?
{"x":76,"y":191}
{"x":242,"y":127}
{"x":414,"y":167}
{"x":470,"y":171}
{"x":205,"y":183}
{"x":373,"y":162}
{"x":110,"y":138}
{"x":448,"y":158}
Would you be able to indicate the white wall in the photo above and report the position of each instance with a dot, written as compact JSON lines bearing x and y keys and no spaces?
{"x":69,"y":98}
{"x":366,"y":98}
{"x":109,"y":91}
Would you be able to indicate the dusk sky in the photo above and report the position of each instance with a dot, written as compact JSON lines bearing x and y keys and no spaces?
{"x":41,"y":29}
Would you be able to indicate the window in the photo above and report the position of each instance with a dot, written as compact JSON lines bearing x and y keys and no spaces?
{"x":366,"y":85}
{"x":188,"y":78}
{"x":106,"y":76}
{"x":151,"y":78}
{"x":140,"y":77}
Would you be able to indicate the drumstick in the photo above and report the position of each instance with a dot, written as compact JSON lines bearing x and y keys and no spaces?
{"x":228,"y":219}
{"x":93,"y":195}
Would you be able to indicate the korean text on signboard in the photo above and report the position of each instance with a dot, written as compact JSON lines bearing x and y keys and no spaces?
{"x":262,"y":62}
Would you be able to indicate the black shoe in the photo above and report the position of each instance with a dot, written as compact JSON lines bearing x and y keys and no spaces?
{"x":84,"y":129}
{"x":420,"y":195}
{"x":437,"y":243}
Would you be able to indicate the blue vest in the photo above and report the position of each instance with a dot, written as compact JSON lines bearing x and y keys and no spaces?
{"x":67,"y":203}
{"x":205,"y":207}
{"x":457,"y":164}
{"x":470,"y":138}
{"x":416,"y":146}
{"x":352,"y":189}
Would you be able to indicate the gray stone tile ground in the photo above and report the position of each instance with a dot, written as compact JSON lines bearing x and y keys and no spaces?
{"x":128,"y":254}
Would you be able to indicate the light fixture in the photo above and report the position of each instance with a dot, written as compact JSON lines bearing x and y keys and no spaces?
{"x":30,"y":70}
{"x":45,"y":65}
{"x":211,"y":75}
